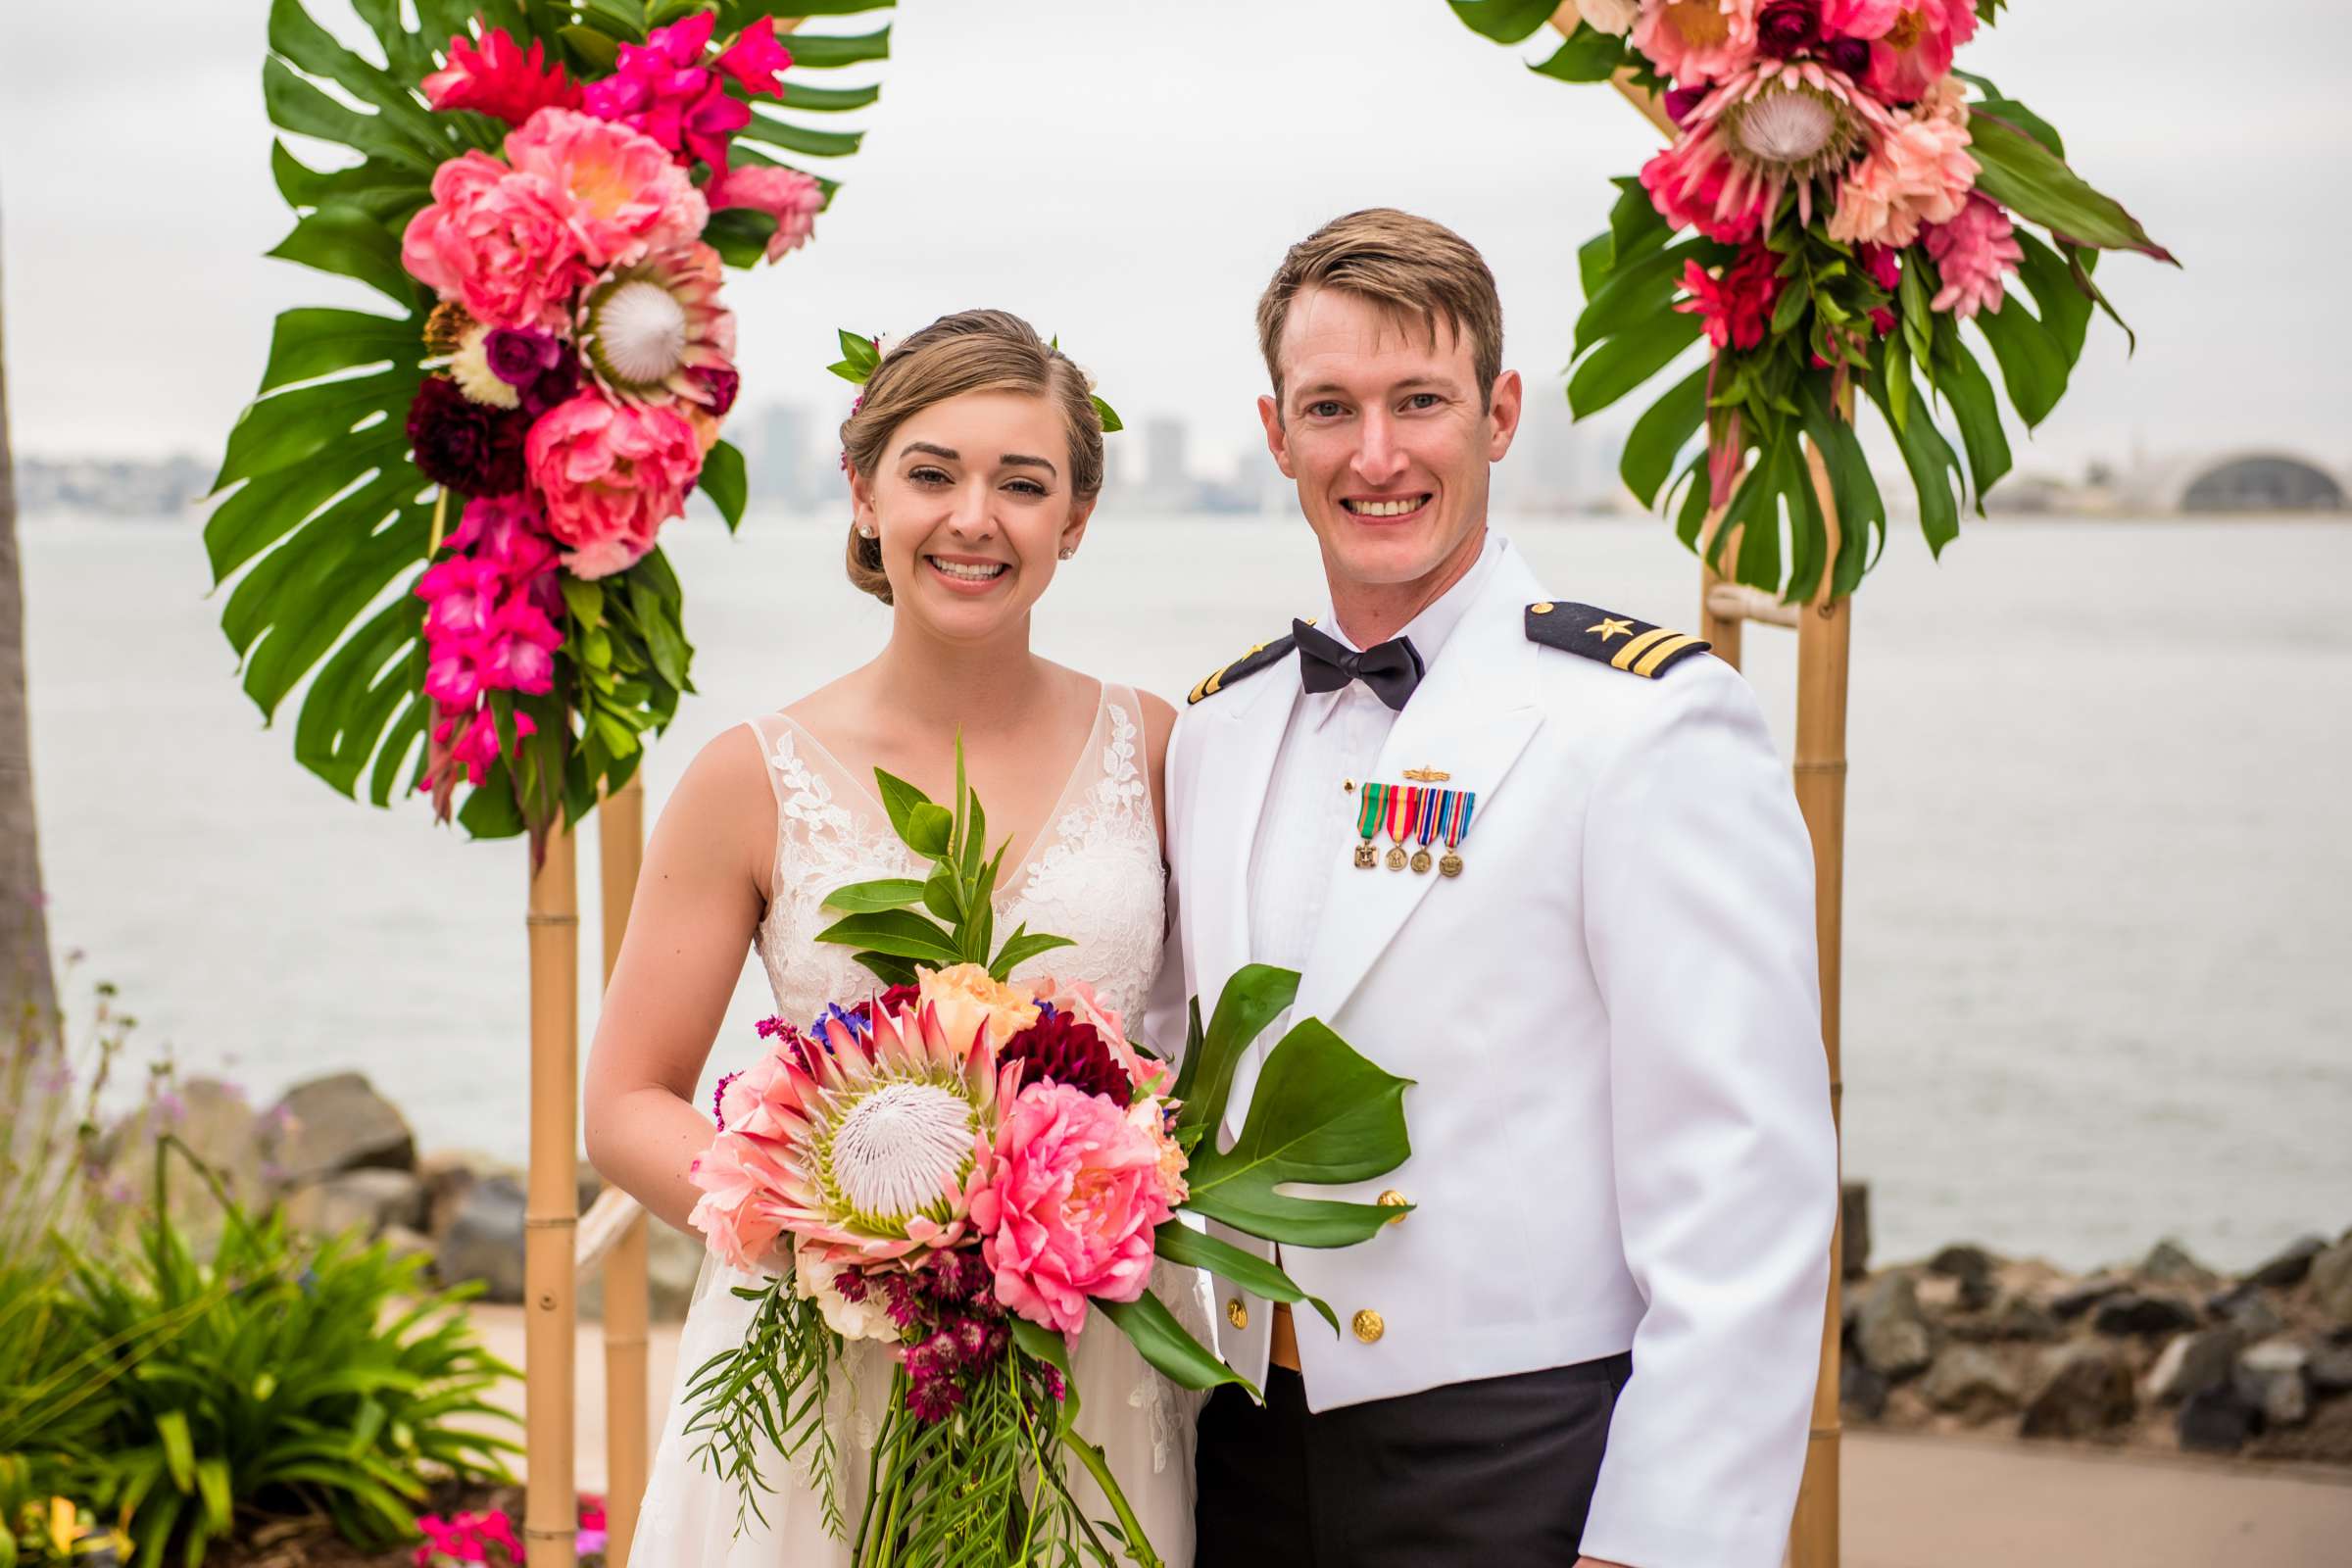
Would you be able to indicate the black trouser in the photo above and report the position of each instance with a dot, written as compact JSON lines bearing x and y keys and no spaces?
{"x":1492,"y":1474}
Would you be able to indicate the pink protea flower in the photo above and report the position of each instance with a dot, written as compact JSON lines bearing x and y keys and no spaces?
{"x":1069,"y":1214}
{"x":756,"y":60}
{"x":1696,"y":40}
{"x":1919,"y":172}
{"x":627,"y":197}
{"x":878,"y":1145}
{"x":1769,"y":127}
{"x":741,"y":1212}
{"x":793,"y":199}
{"x":646,"y":333}
{"x":610,"y":476}
{"x":501,"y":78}
{"x":1971,"y":253}
{"x":498,"y":242}
{"x":662,"y":88}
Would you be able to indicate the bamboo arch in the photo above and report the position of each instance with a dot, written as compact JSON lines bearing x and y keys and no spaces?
{"x":558,"y":1246}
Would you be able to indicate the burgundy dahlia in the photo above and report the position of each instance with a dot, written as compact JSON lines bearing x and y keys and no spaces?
{"x":1849,"y":55}
{"x":1680,"y":101}
{"x":1785,"y":28}
{"x":1060,"y":1047}
{"x":555,"y":384}
{"x":722,"y":385}
{"x":519,"y":356}
{"x":468,"y":447}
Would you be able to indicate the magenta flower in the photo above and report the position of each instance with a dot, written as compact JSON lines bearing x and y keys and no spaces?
{"x":661,"y":88}
{"x":521,"y":356}
{"x":756,"y":60}
{"x":1787,"y":27}
{"x":500,"y":77}
{"x":463,"y":594}
{"x":519,"y":651}
{"x":1738,"y":306}
{"x":503,"y":532}
{"x":474,"y":747}
{"x":453,"y":674}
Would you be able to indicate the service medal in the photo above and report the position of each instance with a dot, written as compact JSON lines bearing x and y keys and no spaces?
{"x":1454,"y":827}
{"x":1367,"y":823}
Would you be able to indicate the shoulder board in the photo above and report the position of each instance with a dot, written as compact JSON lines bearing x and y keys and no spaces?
{"x":1618,"y":641}
{"x":1247,"y":665}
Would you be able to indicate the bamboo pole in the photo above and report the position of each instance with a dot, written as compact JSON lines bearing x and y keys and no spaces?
{"x":551,"y":1517}
{"x":621,"y":850}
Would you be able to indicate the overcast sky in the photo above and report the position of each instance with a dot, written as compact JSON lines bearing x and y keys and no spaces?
{"x":1126,"y":175}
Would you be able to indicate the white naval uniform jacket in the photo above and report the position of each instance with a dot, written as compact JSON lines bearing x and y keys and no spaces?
{"x":1620,"y":1115}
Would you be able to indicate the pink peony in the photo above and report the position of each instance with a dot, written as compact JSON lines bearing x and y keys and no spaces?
{"x":498,"y":242}
{"x":1070,"y":1207}
{"x":626,"y":198}
{"x":1915,"y":49}
{"x":501,"y":78}
{"x":793,"y":199}
{"x":1971,"y":253}
{"x":1920,"y":173}
{"x":1696,"y":40}
{"x":756,"y":60}
{"x":739,"y":1213}
{"x":661,"y":88}
{"x":610,"y":476}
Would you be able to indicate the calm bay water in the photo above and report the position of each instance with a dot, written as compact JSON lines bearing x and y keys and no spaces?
{"x":2099,"y":861}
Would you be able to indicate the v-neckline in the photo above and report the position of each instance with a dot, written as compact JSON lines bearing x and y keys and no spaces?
{"x":1021,"y":869}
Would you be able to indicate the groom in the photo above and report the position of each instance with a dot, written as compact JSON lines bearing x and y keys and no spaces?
{"x":1541,"y":859}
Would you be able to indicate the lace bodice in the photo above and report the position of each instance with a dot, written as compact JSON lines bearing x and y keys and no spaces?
{"x":1092,"y":875}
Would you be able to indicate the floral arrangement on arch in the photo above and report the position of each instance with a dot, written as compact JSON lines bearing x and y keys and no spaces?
{"x":552,"y":194}
{"x":1838,"y":203}
{"x":973,"y":1170}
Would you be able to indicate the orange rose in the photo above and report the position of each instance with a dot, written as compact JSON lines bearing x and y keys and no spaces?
{"x":968,"y":996}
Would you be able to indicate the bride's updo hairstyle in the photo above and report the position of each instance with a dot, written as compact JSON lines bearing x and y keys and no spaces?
{"x":971,"y":351}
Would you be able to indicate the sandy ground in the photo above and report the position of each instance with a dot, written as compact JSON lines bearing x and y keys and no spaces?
{"x":1909,"y":1502}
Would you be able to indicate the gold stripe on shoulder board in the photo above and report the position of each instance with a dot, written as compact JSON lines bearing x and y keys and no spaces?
{"x":1624,"y":657}
{"x":1661,"y":652}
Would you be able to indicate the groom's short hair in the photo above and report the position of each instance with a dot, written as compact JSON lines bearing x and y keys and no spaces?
{"x":1419,"y":271}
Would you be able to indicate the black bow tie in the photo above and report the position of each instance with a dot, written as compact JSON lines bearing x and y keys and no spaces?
{"x":1325,"y":664}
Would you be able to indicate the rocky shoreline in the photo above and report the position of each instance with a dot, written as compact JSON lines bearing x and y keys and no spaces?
{"x":2167,"y":1354}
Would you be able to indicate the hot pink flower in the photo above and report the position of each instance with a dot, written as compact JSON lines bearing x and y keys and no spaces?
{"x":463,"y":594}
{"x":756,"y":60}
{"x":1885,"y":268}
{"x":498,"y":242}
{"x":517,"y":650}
{"x":504,"y":531}
{"x":1738,"y":306}
{"x":626,"y":198}
{"x":453,"y":673}
{"x":1971,"y":253}
{"x":1069,"y":1210}
{"x":471,"y":741}
{"x":500,"y":77}
{"x":610,"y":476}
{"x":1696,"y":40}
{"x":663,"y":89}
{"x":1920,"y":173}
{"x":793,"y":199}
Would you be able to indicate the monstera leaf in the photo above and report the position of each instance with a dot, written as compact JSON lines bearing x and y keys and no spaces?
{"x":324,"y":525}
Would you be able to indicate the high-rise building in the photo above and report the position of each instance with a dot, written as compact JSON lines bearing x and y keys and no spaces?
{"x":781,"y":461}
{"x":1164,"y":455}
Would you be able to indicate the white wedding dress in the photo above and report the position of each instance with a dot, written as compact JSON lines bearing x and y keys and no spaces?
{"x":1095,"y":876}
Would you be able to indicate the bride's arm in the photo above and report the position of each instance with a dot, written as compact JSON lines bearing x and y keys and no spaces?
{"x":698,"y":907}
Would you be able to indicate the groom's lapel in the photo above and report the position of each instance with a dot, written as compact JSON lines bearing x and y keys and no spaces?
{"x":1470,"y":718}
{"x":1243,"y":730}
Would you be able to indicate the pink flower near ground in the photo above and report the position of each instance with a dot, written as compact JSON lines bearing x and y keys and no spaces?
{"x":1920,"y":173}
{"x":609,"y":475}
{"x":626,"y":198}
{"x":1070,"y":1207}
{"x":498,"y":242}
{"x":1971,"y":254}
{"x":500,"y":77}
{"x":1696,"y":40}
{"x":793,"y":199}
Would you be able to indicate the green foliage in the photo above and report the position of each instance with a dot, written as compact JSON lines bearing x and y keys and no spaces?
{"x":275,"y":1379}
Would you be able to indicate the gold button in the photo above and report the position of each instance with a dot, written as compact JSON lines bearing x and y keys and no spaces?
{"x":1544,"y":609}
{"x":1368,"y":1326}
{"x":1393,"y":1198}
{"x":1235,"y":1313}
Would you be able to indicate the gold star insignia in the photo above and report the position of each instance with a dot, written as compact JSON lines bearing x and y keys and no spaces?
{"x":1613,"y":628}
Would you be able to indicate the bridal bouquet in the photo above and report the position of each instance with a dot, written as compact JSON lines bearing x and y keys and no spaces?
{"x":549,"y":193}
{"x":1838,"y":204}
{"x":971,"y":1169}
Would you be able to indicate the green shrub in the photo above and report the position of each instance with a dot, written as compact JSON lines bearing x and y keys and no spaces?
{"x":290,"y":1380}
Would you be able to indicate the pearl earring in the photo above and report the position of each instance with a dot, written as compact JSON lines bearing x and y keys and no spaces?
{"x":869,"y":531}
{"x":1069,"y":550}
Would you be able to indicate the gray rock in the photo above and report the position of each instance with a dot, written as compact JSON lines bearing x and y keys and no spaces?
{"x":1854,"y":1246}
{"x":363,"y":1200}
{"x":2010,"y":1317}
{"x":2331,"y":1284}
{"x":335,"y":1124}
{"x":484,"y":1240}
{"x":1972,"y":1382}
{"x":2255,"y":1315}
{"x":2288,"y":1268}
{"x":2071,"y":1302}
{"x":2132,"y":1312}
{"x":2216,"y":1421}
{"x":2269,"y":1378}
{"x":2169,"y":1264}
{"x":1860,"y":1391}
{"x":447,"y":1176}
{"x":2079,"y":1388}
{"x":2195,"y":1362}
{"x":1890,"y":1331}
{"x":1973,"y":1267}
{"x":213,"y":1120}
{"x":402,"y":1241}
{"x":2330,"y":1370}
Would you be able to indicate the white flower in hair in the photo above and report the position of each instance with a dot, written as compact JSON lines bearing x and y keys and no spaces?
{"x":889,"y":343}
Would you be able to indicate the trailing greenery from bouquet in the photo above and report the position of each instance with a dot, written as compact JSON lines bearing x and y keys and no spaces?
{"x":904,"y":1168}
{"x":544,"y":391}
{"x":1837,"y":205}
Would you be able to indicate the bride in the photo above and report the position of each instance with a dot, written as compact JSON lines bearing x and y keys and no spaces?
{"x":975,"y":458}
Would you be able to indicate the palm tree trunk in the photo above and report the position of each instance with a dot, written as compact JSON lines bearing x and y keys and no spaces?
{"x":27,"y":985}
